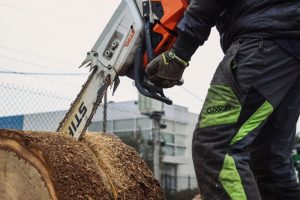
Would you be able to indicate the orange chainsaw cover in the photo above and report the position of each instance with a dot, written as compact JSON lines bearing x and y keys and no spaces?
{"x":173,"y":12}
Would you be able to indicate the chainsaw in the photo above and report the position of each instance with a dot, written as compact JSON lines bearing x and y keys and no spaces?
{"x":138,"y":31}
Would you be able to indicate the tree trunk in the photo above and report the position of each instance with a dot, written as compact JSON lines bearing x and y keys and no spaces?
{"x":53,"y":166}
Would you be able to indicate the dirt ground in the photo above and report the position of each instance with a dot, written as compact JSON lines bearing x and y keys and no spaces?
{"x":98,"y":167}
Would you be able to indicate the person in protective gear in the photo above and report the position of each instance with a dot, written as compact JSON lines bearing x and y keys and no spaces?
{"x":243,"y":141}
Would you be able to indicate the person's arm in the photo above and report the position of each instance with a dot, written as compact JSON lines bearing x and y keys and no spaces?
{"x":194,"y":28}
{"x":166,"y":70}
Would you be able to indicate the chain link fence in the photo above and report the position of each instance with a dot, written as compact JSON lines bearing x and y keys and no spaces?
{"x":173,"y":183}
{"x":24,"y":108}
{"x":179,"y":187}
{"x":29,"y":109}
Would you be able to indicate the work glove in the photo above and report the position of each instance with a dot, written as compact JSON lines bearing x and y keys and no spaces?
{"x":166,"y":70}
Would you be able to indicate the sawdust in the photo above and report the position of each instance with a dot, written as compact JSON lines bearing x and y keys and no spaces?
{"x":98,"y":167}
{"x":130,"y":175}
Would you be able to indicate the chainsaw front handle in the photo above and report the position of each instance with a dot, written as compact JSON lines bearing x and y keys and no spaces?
{"x":145,"y":87}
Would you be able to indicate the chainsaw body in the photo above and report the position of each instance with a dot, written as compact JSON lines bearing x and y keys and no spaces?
{"x":146,"y":24}
{"x":138,"y":31}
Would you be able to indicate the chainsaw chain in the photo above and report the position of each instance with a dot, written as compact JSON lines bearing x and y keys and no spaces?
{"x":100,"y":94}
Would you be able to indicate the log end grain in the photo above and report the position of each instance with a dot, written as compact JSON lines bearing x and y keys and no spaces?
{"x":58,"y":167}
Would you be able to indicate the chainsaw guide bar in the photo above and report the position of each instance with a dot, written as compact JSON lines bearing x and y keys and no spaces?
{"x":78,"y":118}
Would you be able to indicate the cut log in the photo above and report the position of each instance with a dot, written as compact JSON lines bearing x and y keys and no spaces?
{"x":53,"y":166}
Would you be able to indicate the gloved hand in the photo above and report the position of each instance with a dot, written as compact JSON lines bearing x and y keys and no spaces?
{"x":166,"y":70}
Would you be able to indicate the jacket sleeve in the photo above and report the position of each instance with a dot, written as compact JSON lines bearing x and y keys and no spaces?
{"x":194,"y":28}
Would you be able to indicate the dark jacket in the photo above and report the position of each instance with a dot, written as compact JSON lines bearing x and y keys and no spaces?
{"x":237,"y":18}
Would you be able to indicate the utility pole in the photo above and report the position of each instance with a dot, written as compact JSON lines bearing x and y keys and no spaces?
{"x":155,"y":110}
{"x":156,"y":117}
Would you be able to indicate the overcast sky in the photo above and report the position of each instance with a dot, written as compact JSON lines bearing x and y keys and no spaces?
{"x":54,"y":36}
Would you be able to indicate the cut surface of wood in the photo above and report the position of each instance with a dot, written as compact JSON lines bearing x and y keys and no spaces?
{"x":53,"y":166}
{"x":15,"y":184}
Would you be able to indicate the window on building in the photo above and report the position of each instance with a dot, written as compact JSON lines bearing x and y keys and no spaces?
{"x":175,"y":145}
{"x":169,"y":138}
{"x":169,"y":176}
{"x":180,"y":151}
{"x":169,"y":150}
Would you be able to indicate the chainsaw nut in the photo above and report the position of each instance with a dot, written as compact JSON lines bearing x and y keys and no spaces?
{"x":108,"y":53}
{"x":114,"y":45}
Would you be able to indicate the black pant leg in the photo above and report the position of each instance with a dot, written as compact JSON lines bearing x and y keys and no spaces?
{"x":271,"y":152}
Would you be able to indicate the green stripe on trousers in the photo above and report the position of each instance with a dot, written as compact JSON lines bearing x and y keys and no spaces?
{"x":231,"y":180}
{"x":229,"y":175}
{"x":253,"y":122}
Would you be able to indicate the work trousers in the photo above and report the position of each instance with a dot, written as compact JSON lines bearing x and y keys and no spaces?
{"x":243,"y":141}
